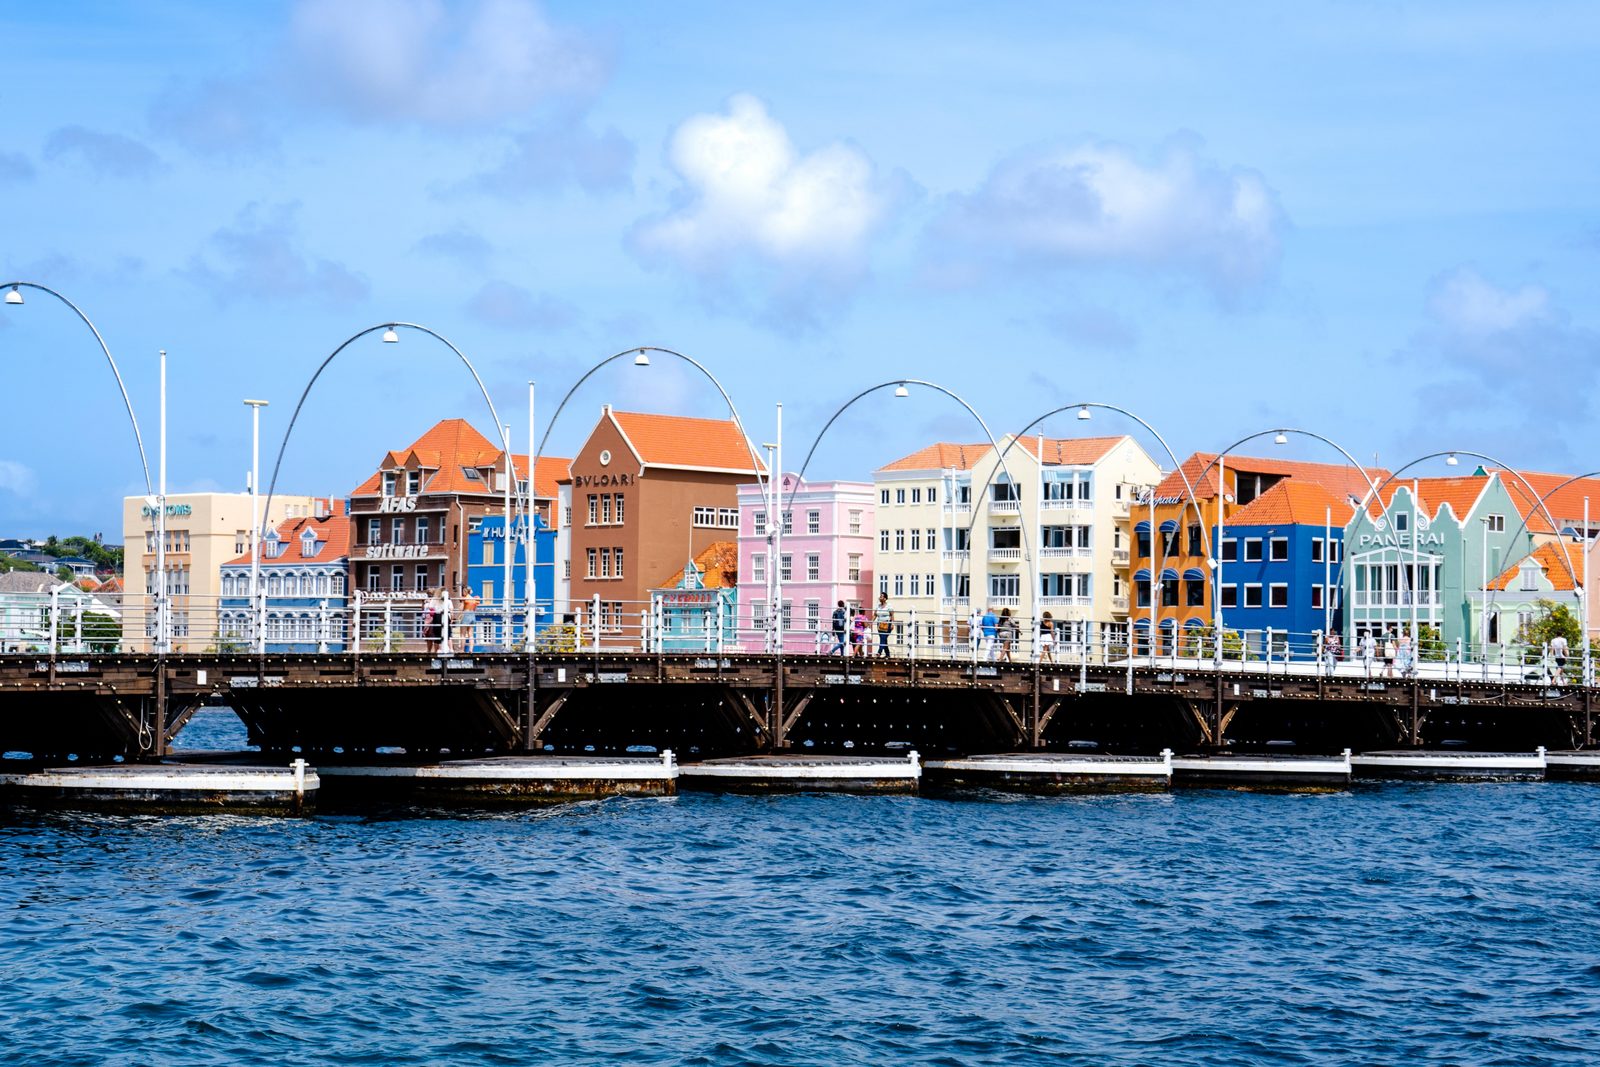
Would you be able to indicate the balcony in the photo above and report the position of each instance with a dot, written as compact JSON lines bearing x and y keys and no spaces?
{"x":1006,"y":555}
{"x":1064,"y":601}
{"x":1068,"y":505}
{"x":1005,"y":507}
{"x":1005,"y":601}
{"x":1119,"y":605}
{"x":957,"y":555}
{"x":1119,"y":557}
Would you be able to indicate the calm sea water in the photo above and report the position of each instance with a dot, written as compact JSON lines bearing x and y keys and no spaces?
{"x":1401,"y":924}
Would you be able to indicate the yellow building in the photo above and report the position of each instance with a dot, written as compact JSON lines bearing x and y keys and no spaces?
{"x":1047,"y":536}
{"x":204,"y":531}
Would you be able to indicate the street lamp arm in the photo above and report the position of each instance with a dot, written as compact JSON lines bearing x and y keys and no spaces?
{"x":138,"y":438}
{"x":294,"y":418}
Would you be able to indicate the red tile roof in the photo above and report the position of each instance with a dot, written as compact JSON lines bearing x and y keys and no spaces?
{"x":452,"y":446}
{"x":1339,"y":478}
{"x":718,"y":565}
{"x":678,"y":441}
{"x":1551,"y":562}
{"x":1058,"y":451}
{"x":1293,"y":502}
{"x":333,"y":534}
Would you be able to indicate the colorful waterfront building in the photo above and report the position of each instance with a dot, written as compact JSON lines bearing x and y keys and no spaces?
{"x":825,"y":555}
{"x":648,"y":491}
{"x":487,"y":550}
{"x":698,"y":608}
{"x":1046,"y":536}
{"x":1171,"y":571}
{"x":302,"y":576}
{"x":1283,"y":569}
{"x":1514,"y":598}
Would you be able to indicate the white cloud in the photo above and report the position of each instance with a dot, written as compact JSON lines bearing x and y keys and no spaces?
{"x":746,"y":190}
{"x":1467,"y":304}
{"x":16,"y":478}
{"x":1097,"y":204}
{"x":421,"y":61}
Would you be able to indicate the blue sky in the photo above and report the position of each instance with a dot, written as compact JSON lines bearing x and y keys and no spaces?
{"x":1380,"y":221}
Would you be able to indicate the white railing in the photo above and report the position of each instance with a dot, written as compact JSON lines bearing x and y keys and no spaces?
{"x":1007,"y":555}
{"x":1005,"y":507}
{"x":957,"y":555}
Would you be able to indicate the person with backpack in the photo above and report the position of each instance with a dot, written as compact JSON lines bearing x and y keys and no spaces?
{"x":841,"y":620}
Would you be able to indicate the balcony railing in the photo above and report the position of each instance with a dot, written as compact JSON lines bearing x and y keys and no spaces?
{"x":1063,"y":552}
{"x":1005,"y":601}
{"x":1005,"y":507}
{"x":957,"y":555}
{"x":1006,"y":555}
{"x":1062,"y":505}
{"x":1065,"y":601}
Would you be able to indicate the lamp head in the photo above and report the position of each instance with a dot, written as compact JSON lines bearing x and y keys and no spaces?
{"x":1281,"y":439}
{"x":14,"y":296}
{"x":901,"y":390}
{"x":642,"y":359}
{"x":1084,"y":415}
{"x":1451,"y":460}
{"x":390,"y":337}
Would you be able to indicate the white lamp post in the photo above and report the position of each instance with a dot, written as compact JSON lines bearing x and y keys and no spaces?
{"x":258,"y":613}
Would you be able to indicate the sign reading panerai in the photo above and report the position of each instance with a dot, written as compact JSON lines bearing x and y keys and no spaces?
{"x":1403,"y":539}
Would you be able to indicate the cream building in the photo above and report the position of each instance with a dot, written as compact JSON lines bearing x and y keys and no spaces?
{"x":204,"y":531}
{"x":1047,"y":536}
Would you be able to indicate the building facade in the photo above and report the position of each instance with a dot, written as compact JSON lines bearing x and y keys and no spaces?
{"x":411,"y":521}
{"x":487,"y":549}
{"x":825,"y":555}
{"x":302,"y":577}
{"x":1035,"y":528}
{"x":647,"y":492}
{"x":203,"y":532}
{"x":698,"y":609}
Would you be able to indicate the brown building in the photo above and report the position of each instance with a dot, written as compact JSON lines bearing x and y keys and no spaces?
{"x":409,"y":521}
{"x":649,"y":491}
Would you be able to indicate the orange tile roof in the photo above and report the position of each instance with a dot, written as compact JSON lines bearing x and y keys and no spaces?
{"x":453,"y":444}
{"x":332,"y":531}
{"x":718,"y":565}
{"x":1551,"y":562}
{"x":1293,"y":502}
{"x":1058,"y":451}
{"x":1461,"y":492}
{"x":679,"y":441}
{"x":1338,"y":478}
{"x":1565,"y":503}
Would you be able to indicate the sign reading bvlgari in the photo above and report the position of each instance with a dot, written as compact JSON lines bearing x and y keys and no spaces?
{"x":396,"y":551}
{"x":601,"y":480}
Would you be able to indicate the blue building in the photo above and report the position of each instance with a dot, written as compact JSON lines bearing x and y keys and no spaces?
{"x":304,"y":570}
{"x":1282,"y":557}
{"x":486,"y":574}
{"x":688,"y":608}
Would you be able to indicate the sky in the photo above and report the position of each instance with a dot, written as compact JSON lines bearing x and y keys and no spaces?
{"x":1376,"y":220}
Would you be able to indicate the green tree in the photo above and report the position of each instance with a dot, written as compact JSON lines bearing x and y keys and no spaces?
{"x":100,"y":632}
{"x":1551,"y":620}
{"x":1430,"y":643}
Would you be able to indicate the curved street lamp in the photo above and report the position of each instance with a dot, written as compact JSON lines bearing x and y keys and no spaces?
{"x":391,"y":336}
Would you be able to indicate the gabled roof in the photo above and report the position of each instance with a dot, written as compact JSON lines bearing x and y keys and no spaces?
{"x":332,"y":533}
{"x":940,"y":456}
{"x":1293,"y":502}
{"x":683,"y":443}
{"x":1550,"y":561}
{"x":1339,"y":478}
{"x":27,"y":582}
{"x":452,"y":447}
{"x":1565,"y":504}
{"x":718,"y":565}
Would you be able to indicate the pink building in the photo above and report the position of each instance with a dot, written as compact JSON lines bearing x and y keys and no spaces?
{"x":825,"y":556}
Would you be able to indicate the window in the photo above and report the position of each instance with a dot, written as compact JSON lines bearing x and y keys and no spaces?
{"x":786,"y":567}
{"x":593,"y":556}
{"x":616,"y":562}
{"x":1196,"y":541}
{"x":813,"y":522}
{"x":899,"y":585}
{"x":788,"y":522}
{"x":1169,"y":592}
{"x":933,"y":494}
{"x":1230,"y":550}
{"x":1143,"y":537}
{"x":241,"y":542}
{"x":883,"y":584}
{"x":916,"y":585}
{"x":397,"y":531}
{"x":927,"y":583}
{"x":916,"y":540}
{"x":1336,"y":551}
{"x":397,"y":579}
{"x":1196,"y":593}
{"x":413,"y":483}
{"x":883,"y":540}
{"x":308,"y":544}
{"x":708,"y":516}
{"x":1279,"y":549}
{"x":760,"y":523}
{"x":1252,"y":550}
{"x":389,"y":480}
{"x":374,"y":578}
{"x":1142,"y":592}
{"x":813,"y":567}
{"x":883,"y":497}
{"x":1316,"y":596}
{"x":616,"y":509}
{"x":1252,"y":595}
{"x":853,"y":565}
{"x":1497,"y":524}
{"x":488,"y":553}
{"x":1230,"y":596}
{"x":1316,"y":550}
{"x":1006,"y":491}
{"x":1005,"y":585}
{"x":422,"y":529}
{"x":594,"y":509}
{"x":422,"y":576}
{"x":605,"y":509}
{"x":758,"y":567}
{"x":855,"y":520}
{"x":1278,"y":595}
{"x":916,"y":495}
{"x":605,"y":563}
{"x":929,"y":541}
{"x":788,"y":614}
{"x":899,"y":496}
{"x":1530,"y":576}
{"x":813,"y":615}
{"x":758,"y":614}
{"x":1402,"y":521}
{"x":728,"y":518}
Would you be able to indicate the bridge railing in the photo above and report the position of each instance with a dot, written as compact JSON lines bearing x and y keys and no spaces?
{"x":68,"y":621}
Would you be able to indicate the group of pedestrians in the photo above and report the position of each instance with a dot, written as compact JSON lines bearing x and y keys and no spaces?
{"x":851,"y":626}
{"x":1396,"y":651}
{"x":993,"y":637}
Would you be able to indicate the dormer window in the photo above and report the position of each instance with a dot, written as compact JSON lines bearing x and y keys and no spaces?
{"x":413,"y":483}
{"x":308,"y":543}
{"x":389,"y":480}
{"x":273,"y":547}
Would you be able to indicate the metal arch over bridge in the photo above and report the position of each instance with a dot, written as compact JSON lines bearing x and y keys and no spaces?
{"x":99,"y":707}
